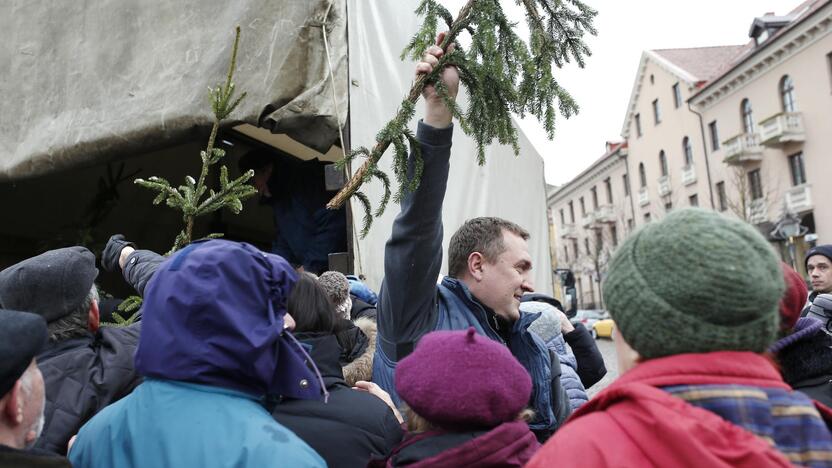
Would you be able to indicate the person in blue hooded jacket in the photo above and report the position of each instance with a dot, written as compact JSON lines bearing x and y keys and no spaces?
{"x":489,"y":270}
{"x":212,"y":348}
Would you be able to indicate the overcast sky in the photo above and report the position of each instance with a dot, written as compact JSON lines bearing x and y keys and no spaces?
{"x":602,"y":89}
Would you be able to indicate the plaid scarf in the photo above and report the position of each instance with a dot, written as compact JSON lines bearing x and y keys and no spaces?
{"x":787,"y":420}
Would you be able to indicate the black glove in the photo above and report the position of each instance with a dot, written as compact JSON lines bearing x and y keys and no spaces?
{"x":112,"y":252}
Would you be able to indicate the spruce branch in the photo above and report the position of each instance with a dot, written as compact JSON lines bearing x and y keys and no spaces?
{"x":189,"y":197}
{"x":503,"y":73}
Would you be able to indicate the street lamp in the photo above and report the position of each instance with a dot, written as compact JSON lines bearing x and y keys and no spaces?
{"x":788,"y":227}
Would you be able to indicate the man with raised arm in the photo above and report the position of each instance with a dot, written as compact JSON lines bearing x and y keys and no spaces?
{"x":489,"y":270}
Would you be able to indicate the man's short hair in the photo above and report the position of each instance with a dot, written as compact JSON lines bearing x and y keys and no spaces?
{"x":74,"y":324}
{"x":483,"y":235}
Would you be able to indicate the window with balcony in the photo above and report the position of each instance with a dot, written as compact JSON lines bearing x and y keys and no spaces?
{"x":787,"y":94}
{"x":599,"y":240}
{"x":722,"y":199}
{"x":566,"y":254}
{"x":614,"y":235}
{"x":687,"y":150}
{"x":677,"y":95}
{"x":657,"y":112}
{"x":663,"y":163}
{"x":631,"y":224}
{"x":626,"y":181}
{"x":575,"y":249}
{"x":583,"y":206}
{"x":562,"y":218}
{"x":747,"y":116}
{"x":571,"y":212}
{"x":642,"y":175}
{"x":594,"y":191}
{"x":693,"y":200}
{"x":797,"y":169}
{"x":668,"y":206}
{"x":714,"y":135}
{"x":755,"y":184}
{"x":586,"y":245}
{"x":638,"y":125}
{"x":608,"y":186}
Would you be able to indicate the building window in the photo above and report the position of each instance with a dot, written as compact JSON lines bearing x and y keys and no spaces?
{"x":594,"y":191}
{"x":663,"y":163}
{"x":575,"y":249}
{"x":797,"y":170}
{"x":583,"y":206}
{"x":572,"y":212}
{"x":566,"y":254}
{"x":626,"y":179}
{"x":677,"y":95}
{"x":687,"y":149}
{"x":646,"y":217}
{"x":755,"y":183}
{"x":631,"y":224}
{"x":668,"y":206}
{"x":652,"y":79}
{"x":562,"y":218}
{"x":638,"y":125}
{"x":657,"y":112}
{"x":787,"y":94}
{"x":829,"y":64}
{"x":720,"y":196}
{"x":599,"y":240}
{"x":714,"y":135}
{"x":608,"y":185}
{"x":614,"y":235}
{"x":586,"y":245}
{"x":747,"y":117}
{"x":694,"y":200}
{"x":642,"y":175}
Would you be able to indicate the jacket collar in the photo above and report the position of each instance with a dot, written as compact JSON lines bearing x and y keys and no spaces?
{"x":325,"y":351}
{"x":481,"y":311}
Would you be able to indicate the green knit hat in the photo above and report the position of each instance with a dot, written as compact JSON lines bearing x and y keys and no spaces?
{"x":695,"y":282}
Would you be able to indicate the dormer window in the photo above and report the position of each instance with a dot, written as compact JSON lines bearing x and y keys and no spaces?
{"x":764,"y":27}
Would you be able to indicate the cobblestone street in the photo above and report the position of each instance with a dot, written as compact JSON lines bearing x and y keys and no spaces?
{"x":607,"y":348}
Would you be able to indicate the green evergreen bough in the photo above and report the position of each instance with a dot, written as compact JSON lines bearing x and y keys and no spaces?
{"x":503,"y":74}
{"x":188,"y":198}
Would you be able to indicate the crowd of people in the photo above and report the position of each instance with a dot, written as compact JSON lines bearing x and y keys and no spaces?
{"x":238,"y":359}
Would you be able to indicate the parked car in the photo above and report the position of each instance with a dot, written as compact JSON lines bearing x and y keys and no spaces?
{"x":588,"y":317}
{"x":603,"y":328}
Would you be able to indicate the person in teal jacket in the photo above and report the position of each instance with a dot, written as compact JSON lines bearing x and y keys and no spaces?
{"x":213,"y":346}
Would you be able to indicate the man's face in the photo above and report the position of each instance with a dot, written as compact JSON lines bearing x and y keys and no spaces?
{"x":820,"y":273}
{"x":507,"y":278}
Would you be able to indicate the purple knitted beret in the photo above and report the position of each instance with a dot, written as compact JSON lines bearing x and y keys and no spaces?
{"x":459,"y":379}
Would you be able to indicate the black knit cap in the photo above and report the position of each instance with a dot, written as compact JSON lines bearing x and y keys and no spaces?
{"x":51,"y":284}
{"x":825,"y":250}
{"x":22,"y":337}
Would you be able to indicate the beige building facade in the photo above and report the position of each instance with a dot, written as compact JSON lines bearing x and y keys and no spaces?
{"x":591,"y":215}
{"x":745,"y":130}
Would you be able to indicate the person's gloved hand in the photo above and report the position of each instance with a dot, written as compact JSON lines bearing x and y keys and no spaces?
{"x":112,"y":252}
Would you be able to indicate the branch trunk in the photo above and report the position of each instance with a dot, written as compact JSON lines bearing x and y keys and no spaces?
{"x":381,"y":146}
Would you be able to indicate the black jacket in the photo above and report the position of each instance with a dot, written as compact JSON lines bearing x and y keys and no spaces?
{"x":14,"y":458}
{"x":82,"y":376}
{"x":806,"y":365}
{"x":352,"y":427}
{"x":591,"y":366}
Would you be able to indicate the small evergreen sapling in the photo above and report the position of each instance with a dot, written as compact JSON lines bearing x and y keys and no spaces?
{"x":503,"y":74}
{"x":188,"y":198}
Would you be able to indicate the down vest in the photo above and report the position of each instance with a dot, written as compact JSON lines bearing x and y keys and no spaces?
{"x":82,"y":376}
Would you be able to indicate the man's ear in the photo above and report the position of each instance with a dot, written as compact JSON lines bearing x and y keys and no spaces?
{"x":475,"y":265}
{"x":94,"y":317}
{"x":12,"y":404}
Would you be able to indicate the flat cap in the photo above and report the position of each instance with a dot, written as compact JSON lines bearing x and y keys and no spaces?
{"x":51,"y":284}
{"x":22,"y":337}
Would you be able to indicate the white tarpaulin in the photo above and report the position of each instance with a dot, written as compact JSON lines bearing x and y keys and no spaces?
{"x":84,"y":82}
{"x":507,"y":186}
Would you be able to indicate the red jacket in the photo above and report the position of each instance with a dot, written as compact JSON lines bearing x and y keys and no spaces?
{"x":633,"y":423}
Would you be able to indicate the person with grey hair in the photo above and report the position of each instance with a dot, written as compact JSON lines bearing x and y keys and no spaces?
{"x":85,"y":366}
{"x":22,"y":336}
